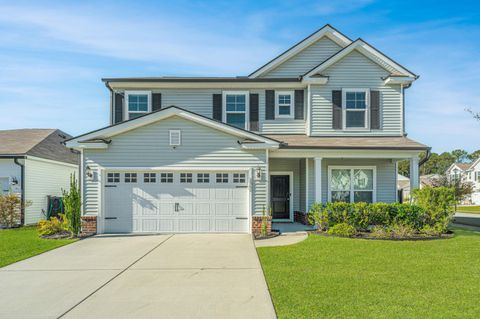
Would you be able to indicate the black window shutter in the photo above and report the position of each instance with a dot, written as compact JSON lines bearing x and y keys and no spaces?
{"x":375,"y":110}
{"x":156,"y":102}
{"x":337,"y":110}
{"x":217,"y":107}
{"x":254,"y":112}
{"x":299,"y":105}
{"x":118,"y":106}
{"x":269,"y":104}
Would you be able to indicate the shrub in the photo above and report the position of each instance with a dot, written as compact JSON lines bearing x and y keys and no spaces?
{"x":402,"y":230}
{"x":72,"y":206}
{"x":53,"y":226}
{"x":438,"y":203}
{"x":10,"y":206}
{"x":435,"y":230}
{"x":380,"y":232}
{"x":342,"y":230}
{"x":318,"y":216}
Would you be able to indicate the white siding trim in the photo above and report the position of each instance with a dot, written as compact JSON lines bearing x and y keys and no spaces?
{"x":34,"y":158}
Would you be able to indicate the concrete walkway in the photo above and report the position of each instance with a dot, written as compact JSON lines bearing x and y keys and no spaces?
{"x":282,"y":240}
{"x":161,"y":276}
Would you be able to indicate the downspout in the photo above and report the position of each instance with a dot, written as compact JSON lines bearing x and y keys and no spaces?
{"x":425,"y":159}
{"x":22,"y":188}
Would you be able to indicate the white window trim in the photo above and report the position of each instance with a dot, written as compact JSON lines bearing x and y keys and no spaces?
{"x":351,"y":168}
{"x":277,"y":104}
{"x":247,"y":106}
{"x":344,"y":109}
{"x":149,"y":102}
{"x":170,"y":132}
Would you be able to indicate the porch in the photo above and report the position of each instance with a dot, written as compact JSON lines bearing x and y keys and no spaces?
{"x":297,"y":183}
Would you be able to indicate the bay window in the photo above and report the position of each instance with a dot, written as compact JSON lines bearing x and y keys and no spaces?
{"x":351,"y":184}
{"x":236,"y":108}
{"x":137,"y":103}
{"x":355,"y":108}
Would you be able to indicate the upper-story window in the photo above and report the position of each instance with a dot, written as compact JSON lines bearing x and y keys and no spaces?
{"x":137,"y":103}
{"x":284,"y":104}
{"x":355,"y":108}
{"x":236,"y":108}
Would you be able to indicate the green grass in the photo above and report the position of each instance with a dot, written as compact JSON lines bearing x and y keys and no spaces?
{"x":327,"y":277}
{"x":469,"y":209}
{"x":21,"y":243}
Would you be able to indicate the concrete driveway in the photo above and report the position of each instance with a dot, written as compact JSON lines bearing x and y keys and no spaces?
{"x":158,"y":276}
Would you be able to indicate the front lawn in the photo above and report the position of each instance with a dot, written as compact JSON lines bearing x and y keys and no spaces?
{"x":469,"y":209}
{"x":21,"y":243}
{"x":331,"y":277}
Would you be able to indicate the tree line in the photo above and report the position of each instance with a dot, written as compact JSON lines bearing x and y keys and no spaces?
{"x":439,"y":163}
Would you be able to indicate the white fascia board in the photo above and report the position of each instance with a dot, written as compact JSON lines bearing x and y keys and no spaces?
{"x":158,"y":116}
{"x":406,"y":80}
{"x":366,"y":50}
{"x":247,"y":85}
{"x":259,"y":146}
{"x":327,"y":31}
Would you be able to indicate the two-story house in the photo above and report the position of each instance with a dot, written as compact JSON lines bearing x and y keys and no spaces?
{"x":323,"y":121}
{"x":469,"y":173}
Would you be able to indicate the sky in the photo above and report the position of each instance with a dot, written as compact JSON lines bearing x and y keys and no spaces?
{"x":53,"y":54}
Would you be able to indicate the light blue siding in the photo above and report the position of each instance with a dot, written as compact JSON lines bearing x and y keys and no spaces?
{"x":305,"y":60}
{"x":356,"y":71}
{"x":148,"y":146}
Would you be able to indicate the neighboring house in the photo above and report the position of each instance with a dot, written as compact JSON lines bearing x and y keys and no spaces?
{"x":467,"y":172}
{"x":35,"y":164}
{"x":403,"y":184}
{"x":323,"y":121}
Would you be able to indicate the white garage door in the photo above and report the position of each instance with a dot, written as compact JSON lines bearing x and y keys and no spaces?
{"x":158,"y":201}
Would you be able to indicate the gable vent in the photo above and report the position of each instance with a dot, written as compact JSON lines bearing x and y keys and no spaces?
{"x":175,"y":137}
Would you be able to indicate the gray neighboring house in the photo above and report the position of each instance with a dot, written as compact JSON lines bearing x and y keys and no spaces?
{"x":34,"y":163}
{"x":323,"y":121}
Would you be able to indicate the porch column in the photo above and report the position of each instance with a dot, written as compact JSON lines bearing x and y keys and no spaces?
{"x":414,"y":173}
{"x":318,"y":179}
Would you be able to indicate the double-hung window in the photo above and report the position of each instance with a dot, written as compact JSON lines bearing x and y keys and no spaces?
{"x":355,"y":108}
{"x":236,"y":108}
{"x":352,"y":184}
{"x":137,"y":103}
{"x":284,"y":104}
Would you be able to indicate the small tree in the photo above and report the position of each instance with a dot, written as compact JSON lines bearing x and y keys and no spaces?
{"x":265,"y":217}
{"x":462,"y":189}
{"x":72,"y":205}
{"x":10,"y":207}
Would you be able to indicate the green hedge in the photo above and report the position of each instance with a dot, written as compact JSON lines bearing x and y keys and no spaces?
{"x":433,"y":209}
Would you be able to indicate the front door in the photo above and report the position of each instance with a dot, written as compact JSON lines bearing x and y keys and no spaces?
{"x":280,"y":196}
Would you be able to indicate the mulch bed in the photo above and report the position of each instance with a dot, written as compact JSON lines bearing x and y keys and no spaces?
{"x":365,"y":235}
{"x":270,"y":235}
{"x":62,"y":235}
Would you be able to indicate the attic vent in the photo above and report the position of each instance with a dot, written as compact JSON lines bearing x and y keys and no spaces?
{"x":175,"y":137}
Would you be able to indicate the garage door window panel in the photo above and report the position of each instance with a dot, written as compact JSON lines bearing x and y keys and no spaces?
{"x":166,"y":177}
{"x":239,"y":178}
{"x":149,"y":178}
{"x":203,"y":178}
{"x":130,"y":177}
{"x":186,"y":177}
{"x":113,"y":177}
{"x":222,"y":178}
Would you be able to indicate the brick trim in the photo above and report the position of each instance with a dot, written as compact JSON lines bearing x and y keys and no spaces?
{"x":257,"y":224}
{"x":89,"y":225}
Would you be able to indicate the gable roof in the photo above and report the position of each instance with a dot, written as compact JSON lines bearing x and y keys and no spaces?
{"x":101,"y":135}
{"x":367,"y":50}
{"x":327,"y":30}
{"x":43,"y":143}
{"x":461,"y":166}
